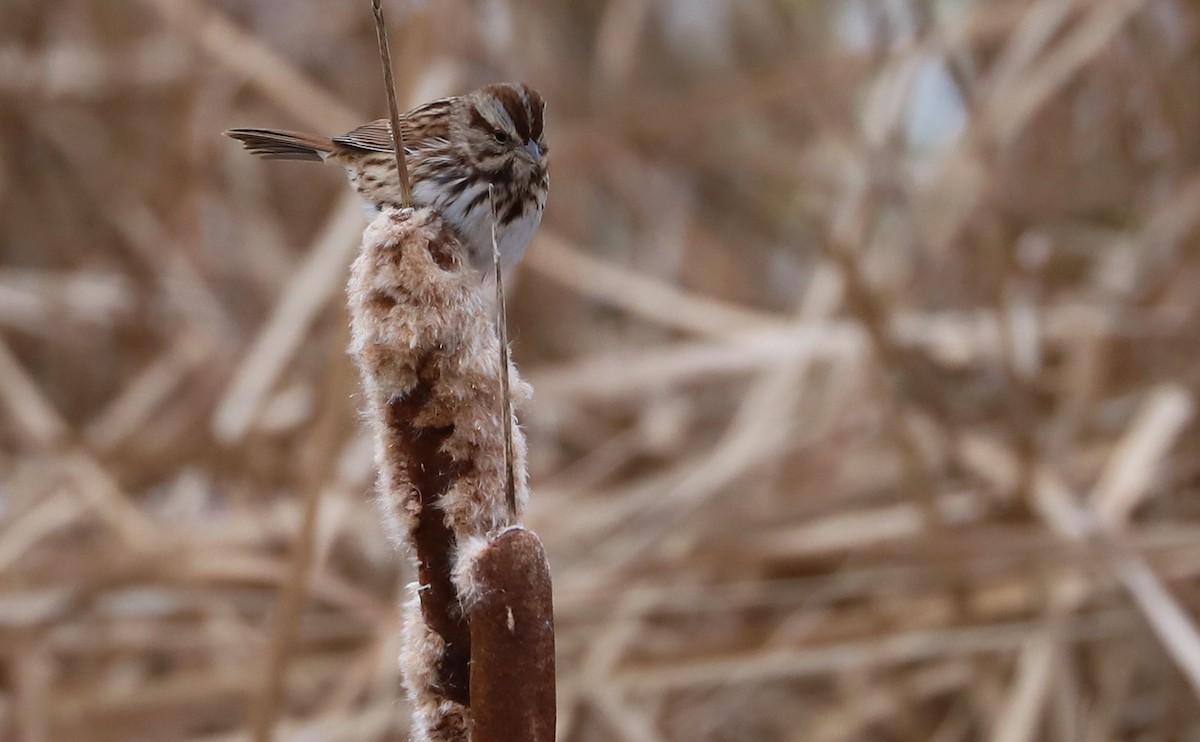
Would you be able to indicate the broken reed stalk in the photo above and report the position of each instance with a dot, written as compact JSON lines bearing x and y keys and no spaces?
{"x":389,"y":85}
{"x":428,"y":354}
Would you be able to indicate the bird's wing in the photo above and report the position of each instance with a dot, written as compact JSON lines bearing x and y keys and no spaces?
{"x":375,"y":136}
{"x":421,"y":126}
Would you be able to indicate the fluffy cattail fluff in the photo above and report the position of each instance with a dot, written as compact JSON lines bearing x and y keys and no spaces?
{"x":425,"y":344}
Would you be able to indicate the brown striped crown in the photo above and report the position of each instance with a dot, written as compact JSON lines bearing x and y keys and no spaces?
{"x":522,"y":106}
{"x":504,"y":120}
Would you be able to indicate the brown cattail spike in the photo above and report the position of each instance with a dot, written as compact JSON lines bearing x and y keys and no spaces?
{"x":506,"y":592}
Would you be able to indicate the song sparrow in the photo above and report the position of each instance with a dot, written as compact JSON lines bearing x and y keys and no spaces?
{"x":454,"y":148}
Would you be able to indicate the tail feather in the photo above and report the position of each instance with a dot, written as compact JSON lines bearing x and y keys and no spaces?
{"x":282,"y":145}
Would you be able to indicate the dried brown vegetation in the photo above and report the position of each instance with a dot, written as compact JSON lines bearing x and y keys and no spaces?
{"x":861,"y":334}
{"x":424,"y":339}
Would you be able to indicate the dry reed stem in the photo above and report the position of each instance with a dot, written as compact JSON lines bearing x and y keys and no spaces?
{"x":307,"y":293}
{"x":389,"y":86}
{"x":641,"y":295}
{"x":40,"y":422}
{"x":510,"y":489}
{"x":256,"y":63}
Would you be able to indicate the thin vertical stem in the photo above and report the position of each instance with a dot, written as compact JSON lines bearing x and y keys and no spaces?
{"x":510,"y":487}
{"x":389,"y":84}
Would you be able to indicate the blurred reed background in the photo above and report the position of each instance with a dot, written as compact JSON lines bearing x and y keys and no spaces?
{"x":862,"y":336}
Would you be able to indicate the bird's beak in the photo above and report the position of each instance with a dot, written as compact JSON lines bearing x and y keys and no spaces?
{"x":533,"y":150}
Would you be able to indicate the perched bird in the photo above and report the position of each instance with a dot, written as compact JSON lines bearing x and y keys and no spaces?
{"x":454,"y":149}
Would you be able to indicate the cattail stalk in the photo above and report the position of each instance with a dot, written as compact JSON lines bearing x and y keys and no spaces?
{"x":427,"y":350}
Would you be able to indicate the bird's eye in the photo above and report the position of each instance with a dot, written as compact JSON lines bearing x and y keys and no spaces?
{"x":500,"y":137}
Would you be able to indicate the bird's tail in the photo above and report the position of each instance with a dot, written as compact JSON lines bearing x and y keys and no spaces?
{"x":282,"y":145}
